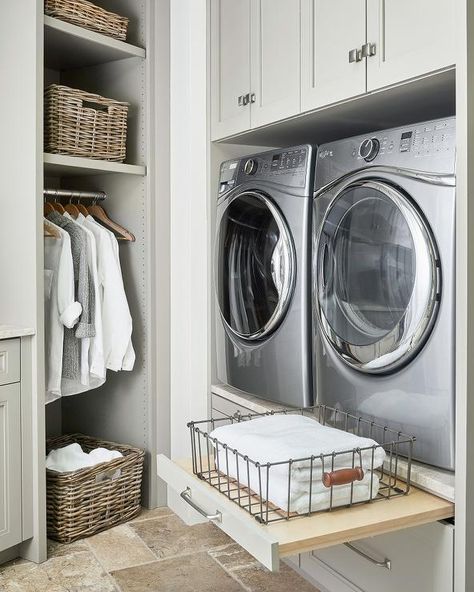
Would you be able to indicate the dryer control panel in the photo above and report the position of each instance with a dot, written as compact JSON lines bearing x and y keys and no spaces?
{"x":290,"y":167}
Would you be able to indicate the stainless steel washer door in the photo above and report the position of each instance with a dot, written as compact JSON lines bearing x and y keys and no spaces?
{"x":378,"y":277}
{"x":255,"y":266}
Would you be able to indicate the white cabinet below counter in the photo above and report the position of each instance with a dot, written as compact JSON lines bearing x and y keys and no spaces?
{"x":419,"y":558}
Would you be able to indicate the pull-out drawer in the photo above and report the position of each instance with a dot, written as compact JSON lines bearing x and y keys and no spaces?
{"x":226,"y":407}
{"x":9,"y":361}
{"x":268,"y":543}
{"x":419,"y":558}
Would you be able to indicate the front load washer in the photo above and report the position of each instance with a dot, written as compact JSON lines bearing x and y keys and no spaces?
{"x":384,"y":281}
{"x":262,"y":275}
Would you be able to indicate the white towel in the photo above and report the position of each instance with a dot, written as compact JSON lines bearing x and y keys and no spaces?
{"x":278,"y":438}
{"x":72,"y":458}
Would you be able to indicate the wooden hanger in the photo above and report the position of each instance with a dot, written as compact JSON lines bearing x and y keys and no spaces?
{"x":82,"y":208}
{"x":48,"y":208}
{"x":58,"y":207}
{"x":101,"y":216}
{"x":73,"y":210}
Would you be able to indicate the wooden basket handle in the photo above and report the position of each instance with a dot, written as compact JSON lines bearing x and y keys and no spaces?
{"x":343,"y":476}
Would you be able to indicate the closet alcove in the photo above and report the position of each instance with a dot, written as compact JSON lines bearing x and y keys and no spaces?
{"x":125,"y":408}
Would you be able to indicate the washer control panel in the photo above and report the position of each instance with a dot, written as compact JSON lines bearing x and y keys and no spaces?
{"x":286,"y":167}
{"x":428,"y":139}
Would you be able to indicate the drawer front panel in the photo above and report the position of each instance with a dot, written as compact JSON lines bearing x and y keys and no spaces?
{"x":227,"y":407}
{"x":419,"y":559}
{"x":9,"y":361}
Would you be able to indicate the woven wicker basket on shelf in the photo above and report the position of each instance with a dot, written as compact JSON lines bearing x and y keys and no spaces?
{"x":79,"y":123}
{"x":89,"y":16}
{"x":82,"y":503}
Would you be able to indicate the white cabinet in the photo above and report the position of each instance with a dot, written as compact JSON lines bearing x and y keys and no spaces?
{"x":275,"y":60}
{"x":329,"y":32}
{"x":418,"y":559}
{"x":255,"y":63}
{"x":10,"y":466}
{"x":411,"y":37}
{"x":230,"y":66}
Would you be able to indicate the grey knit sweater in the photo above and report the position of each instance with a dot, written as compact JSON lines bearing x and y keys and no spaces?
{"x":84,"y":293}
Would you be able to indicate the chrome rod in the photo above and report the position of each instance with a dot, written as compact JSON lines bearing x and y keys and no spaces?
{"x":386,"y":563}
{"x":186,"y":496}
{"x":74,"y":194}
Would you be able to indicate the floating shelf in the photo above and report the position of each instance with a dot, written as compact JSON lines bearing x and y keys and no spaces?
{"x":68,"y":46}
{"x":60,"y":165}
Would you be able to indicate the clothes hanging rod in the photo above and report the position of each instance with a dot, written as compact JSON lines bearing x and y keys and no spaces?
{"x":72,"y":194}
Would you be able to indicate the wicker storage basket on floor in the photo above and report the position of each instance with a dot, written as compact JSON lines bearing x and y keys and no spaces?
{"x":88,"y":15}
{"x":79,"y":503}
{"x":79,"y":123}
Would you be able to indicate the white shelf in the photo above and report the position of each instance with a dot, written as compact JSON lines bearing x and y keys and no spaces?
{"x":60,"y":165}
{"x":68,"y":46}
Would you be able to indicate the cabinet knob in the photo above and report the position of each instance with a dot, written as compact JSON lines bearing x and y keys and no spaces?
{"x":368,"y":50}
{"x":253,"y":97}
{"x":355,"y":55}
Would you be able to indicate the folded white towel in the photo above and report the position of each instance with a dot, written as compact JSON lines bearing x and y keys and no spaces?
{"x":278,"y":438}
{"x":72,"y":458}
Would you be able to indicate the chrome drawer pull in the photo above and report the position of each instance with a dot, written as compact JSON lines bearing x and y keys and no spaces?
{"x":186,"y":495}
{"x":385,"y":563}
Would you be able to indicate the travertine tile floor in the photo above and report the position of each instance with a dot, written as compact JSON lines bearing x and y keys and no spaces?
{"x":156,"y":552}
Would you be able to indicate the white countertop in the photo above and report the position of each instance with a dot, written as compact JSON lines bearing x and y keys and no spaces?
{"x":436,"y":481}
{"x":12,"y":331}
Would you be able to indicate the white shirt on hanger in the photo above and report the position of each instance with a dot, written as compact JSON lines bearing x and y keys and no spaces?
{"x":61,"y":309}
{"x":116,"y":318}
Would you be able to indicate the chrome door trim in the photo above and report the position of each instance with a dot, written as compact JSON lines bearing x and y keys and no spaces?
{"x":289,"y":285}
{"x":409,"y":340}
{"x":445,"y":180}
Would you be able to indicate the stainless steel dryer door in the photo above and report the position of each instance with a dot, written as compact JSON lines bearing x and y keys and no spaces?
{"x":255,"y":266}
{"x":377,"y":277}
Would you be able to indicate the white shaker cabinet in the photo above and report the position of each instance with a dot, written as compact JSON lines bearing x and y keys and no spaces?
{"x":332,"y":67}
{"x":230,"y":67}
{"x":275,"y":60}
{"x":410,"y":38}
{"x":10,"y":466}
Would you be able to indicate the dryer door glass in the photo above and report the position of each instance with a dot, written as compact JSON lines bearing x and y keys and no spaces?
{"x":255,"y":269}
{"x":377,"y":277}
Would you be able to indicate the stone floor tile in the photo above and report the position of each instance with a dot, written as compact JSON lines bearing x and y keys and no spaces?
{"x":150,"y":514}
{"x":79,"y":572}
{"x":259,"y":579}
{"x":170,"y":536}
{"x":120,"y":547}
{"x":56,"y":549}
{"x":192,"y":573}
{"x":232,"y":557}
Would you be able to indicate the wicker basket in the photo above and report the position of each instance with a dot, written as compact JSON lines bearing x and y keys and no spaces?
{"x":80,"y":505}
{"x":88,"y":15}
{"x":79,"y":123}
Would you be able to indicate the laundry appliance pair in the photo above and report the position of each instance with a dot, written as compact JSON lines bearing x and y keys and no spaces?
{"x":335,"y":279}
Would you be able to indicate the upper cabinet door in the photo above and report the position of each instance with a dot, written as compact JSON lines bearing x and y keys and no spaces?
{"x":275,"y":60}
{"x":329,"y":32}
{"x":230,"y":67}
{"x":411,"y":37}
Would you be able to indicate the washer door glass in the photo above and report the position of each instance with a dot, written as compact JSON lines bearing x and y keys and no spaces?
{"x":255,"y":270}
{"x":377,"y":277}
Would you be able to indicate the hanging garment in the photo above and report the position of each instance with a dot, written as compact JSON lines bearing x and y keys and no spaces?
{"x":92,"y":349}
{"x":116,"y":318}
{"x":84,"y":295}
{"x":61,"y":308}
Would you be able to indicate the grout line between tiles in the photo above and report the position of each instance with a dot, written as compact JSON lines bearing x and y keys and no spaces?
{"x":109,"y":576}
{"x":231,"y":574}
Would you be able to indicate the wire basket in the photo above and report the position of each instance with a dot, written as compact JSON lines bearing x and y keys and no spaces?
{"x":79,"y":123}
{"x":89,"y":16}
{"x":248,"y":483}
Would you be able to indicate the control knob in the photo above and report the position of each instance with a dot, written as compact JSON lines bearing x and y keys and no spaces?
{"x":250,"y":167}
{"x":369,"y":149}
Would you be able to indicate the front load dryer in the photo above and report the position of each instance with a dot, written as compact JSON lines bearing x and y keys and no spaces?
{"x":384,"y":281}
{"x":262,"y":275}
